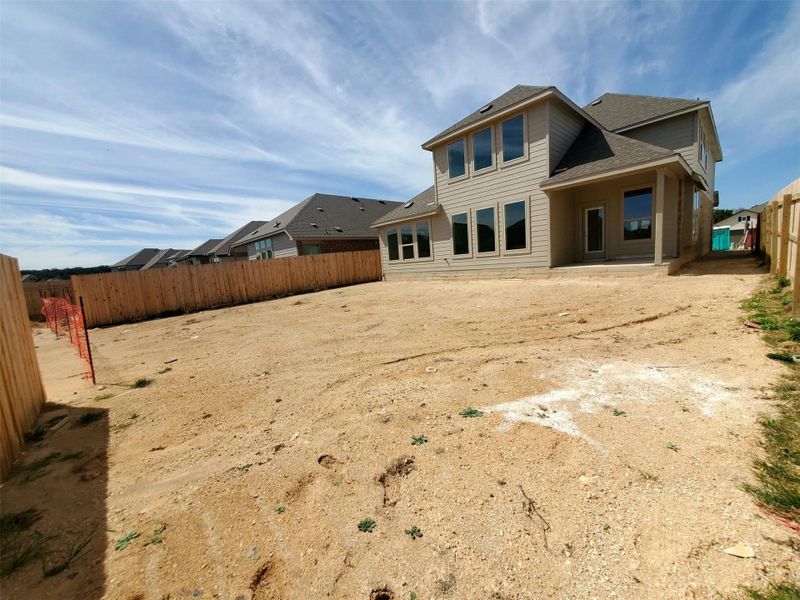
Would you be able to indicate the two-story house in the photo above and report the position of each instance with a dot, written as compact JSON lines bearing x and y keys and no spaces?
{"x":532,"y":181}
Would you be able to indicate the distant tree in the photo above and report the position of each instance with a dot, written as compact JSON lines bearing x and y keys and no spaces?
{"x":722,"y":213}
{"x":66,"y":273}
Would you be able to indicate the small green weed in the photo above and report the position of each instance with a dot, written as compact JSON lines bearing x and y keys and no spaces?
{"x":606,"y":527}
{"x":100,"y":397}
{"x":19,"y":552}
{"x":141,"y":382}
{"x":165,"y":370}
{"x":647,"y":476}
{"x":471,"y":412}
{"x":414,"y":531}
{"x":280,"y":509}
{"x":673,"y":447}
{"x":12,"y":524}
{"x":36,"y":434}
{"x":418,"y":440}
{"x":243,"y":468}
{"x":776,"y":591}
{"x":366,"y":525}
{"x":618,"y":413}
{"x":125,"y":541}
{"x":156,"y":537}
{"x":520,"y":362}
{"x":65,"y":559}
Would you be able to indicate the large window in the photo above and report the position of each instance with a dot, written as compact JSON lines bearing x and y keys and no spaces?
{"x":410,"y":241}
{"x":513,"y":138}
{"x":487,"y":229}
{"x":461,"y":234}
{"x":516,"y":226}
{"x":455,"y":159}
{"x":423,"y":239}
{"x":309,"y":249}
{"x":391,"y":241}
{"x":264,"y":249}
{"x":482,"y":151}
{"x":407,"y":241}
{"x":638,"y":214}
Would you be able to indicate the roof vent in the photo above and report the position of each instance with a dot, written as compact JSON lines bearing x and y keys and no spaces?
{"x":320,"y":209}
{"x":486,"y":108}
{"x":277,"y":223}
{"x":596,"y":102}
{"x":354,"y":199}
{"x":339,"y":229}
{"x":382,"y":201}
{"x":361,"y":208}
{"x":408,"y":204}
{"x":314,"y":225}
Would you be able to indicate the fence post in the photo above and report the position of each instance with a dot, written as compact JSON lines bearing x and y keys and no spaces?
{"x":88,"y":345}
{"x":783,"y":252}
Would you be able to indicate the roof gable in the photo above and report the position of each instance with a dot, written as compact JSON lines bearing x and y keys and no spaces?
{"x":224,"y":246}
{"x":620,"y":111}
{"x":423,"y":203}
{"x":139,"y":257}
{"x":516,"y":95}
{"x":596,"y":151}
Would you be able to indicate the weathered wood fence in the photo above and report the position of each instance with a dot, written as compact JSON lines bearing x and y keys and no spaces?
{"x":22,"y":392}
{"x":779,"y":226}
{"x":36,"y":290}
{"x":133,"y":295}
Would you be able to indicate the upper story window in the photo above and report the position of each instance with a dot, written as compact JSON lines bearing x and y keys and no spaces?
{"x":516,"y":225}
{"x":703,"y":150}
{"x":456,"y":162}
{"x":637,"y":214}
{"x":513,"y":132}
{"x":482,"y":150}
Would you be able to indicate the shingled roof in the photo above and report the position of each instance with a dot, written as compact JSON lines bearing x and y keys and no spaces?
{"x":596,"y":151}
{"x":325,"y":215}
{"x":140,"y":257}
{"x":225,"y":245}
{"x":202,"y":249}
{"x":162,"y":258}
{"x":515,"y":95}
{"x":619,"y":111}
{"x":423,"y":203}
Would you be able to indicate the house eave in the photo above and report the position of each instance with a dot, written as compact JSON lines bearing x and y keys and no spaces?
{"x":612,"y":173}
{"x":434,"y":210}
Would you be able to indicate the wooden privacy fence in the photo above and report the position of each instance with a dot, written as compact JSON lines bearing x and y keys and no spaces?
{"x":36,"y":290}
{"x":779,"y":226}
{"x":133,"y":295}
{"x":22,"y":392}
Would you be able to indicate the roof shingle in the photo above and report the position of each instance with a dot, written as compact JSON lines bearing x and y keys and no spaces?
{"x":421,"y":204}
{"x":617,"y":111}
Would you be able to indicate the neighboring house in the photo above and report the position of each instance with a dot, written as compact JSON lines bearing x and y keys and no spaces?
{"x":135,"y":261}
{"x":321,"y":223}
{"x":199,"y":255}
{"x":173,"y":261}
{"x":532,"y":181}
{"x":161,"y":259}
{"x":741,"y":228}
{"x":222,"y":251}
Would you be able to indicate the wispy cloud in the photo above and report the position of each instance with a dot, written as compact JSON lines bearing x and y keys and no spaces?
{"x":166,"y":123}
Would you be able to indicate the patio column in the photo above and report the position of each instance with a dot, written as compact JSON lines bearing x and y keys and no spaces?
{"x":659,"y":216}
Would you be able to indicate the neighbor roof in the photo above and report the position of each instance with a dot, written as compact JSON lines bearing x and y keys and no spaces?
{"x":162,"y":256}
{"x":225,"y":245}
{"x":137,"y":258}
{"x":517,"y":94}
{"x":202,"y":249}
{"x":620,"y":111}
{"x":324,"y":215}
{"x":595,"y":151}
{"x":423,"y":203}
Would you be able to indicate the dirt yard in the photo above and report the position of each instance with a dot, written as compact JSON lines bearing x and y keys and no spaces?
{"x":619,"y":422}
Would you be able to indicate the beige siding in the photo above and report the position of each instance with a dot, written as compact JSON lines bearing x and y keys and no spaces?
{"x":563,"y":235}
{"x":678,"y":133}
{"x":704,"y":122}
{"x":282,"y":246}
{"x":498,"y":185}
{"x":565,"y":126}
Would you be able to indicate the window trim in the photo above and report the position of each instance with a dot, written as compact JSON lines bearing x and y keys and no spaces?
{"x":527,"y":248}
{"x":493,"y":166}
{"x":465,"y":175}
{"x":496,"y":251}
{"x":507,"y":163}
{"x":469,"y":236}
{"x":400,"y":260}
{"x":631,"y":188}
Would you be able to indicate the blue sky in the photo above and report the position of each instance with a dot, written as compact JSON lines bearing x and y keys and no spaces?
{"x":132,"y":124}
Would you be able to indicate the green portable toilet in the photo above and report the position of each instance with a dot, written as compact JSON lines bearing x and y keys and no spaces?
{"x":721,"y":239}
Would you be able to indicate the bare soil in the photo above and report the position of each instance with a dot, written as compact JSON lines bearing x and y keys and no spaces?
{"x":619,"y":420}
